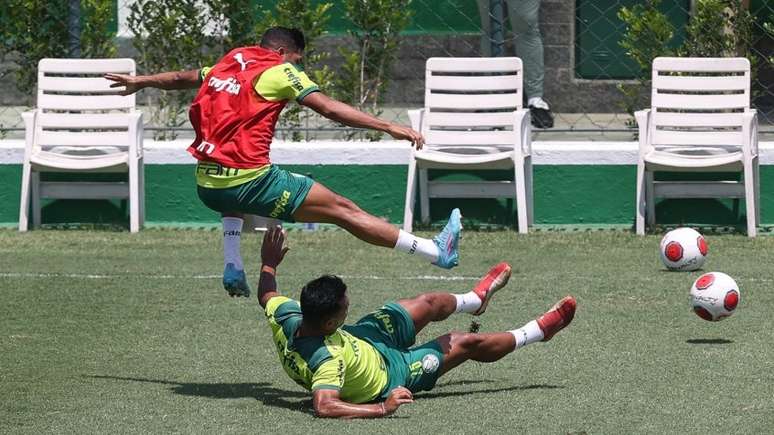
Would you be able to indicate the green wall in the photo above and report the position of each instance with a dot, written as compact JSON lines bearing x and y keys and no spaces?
{"x":564,"y":194}
{"x":430,"y":16}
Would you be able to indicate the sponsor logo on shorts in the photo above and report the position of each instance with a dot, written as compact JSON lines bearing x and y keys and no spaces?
{"x":280,"y":204}
{"x":386,"y":321}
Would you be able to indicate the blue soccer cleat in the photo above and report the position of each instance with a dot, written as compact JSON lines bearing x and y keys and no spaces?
{"x":235,"y":281}
{"x":448,"y":241}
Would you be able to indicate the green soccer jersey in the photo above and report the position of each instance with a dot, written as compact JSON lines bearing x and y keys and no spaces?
{"x":339,"y":361}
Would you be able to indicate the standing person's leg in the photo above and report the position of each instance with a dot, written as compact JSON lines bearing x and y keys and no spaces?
{"x":524,"y":16}
{"x":323,"y":205}
{"x":486,"y":28}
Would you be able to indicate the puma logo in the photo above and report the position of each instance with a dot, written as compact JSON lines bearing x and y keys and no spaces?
{"x":239,"y":58}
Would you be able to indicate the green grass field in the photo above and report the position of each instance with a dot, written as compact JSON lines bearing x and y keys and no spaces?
{"x":105,"y":332}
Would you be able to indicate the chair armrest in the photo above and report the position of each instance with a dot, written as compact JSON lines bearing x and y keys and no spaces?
{"x":416,"y":116}
{"x":523,"y":124}
{"x":135,"y":132}
{"x":643,"y":118}
{"x":750,"y":132}
{"x":29,"y":129}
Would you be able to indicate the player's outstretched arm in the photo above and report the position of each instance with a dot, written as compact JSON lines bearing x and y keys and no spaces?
{"x":165,"y":80}
{"x":348,"y":115}
{"x":272,"y":253}
{"x":328,"y":404}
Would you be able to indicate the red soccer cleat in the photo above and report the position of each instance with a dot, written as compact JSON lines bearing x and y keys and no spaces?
{"x":557,"y":318}
{"x":494,"y":280}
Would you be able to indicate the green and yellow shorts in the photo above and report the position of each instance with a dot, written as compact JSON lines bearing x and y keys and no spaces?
{"x":390,"y":330}
{"x":266,"y":191}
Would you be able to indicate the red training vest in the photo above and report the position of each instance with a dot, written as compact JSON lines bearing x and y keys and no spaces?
{"x":234,"y":125}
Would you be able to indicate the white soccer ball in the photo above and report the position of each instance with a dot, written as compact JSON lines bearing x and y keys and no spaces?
{"x":714,"y":296}
{"x":683,"y":249}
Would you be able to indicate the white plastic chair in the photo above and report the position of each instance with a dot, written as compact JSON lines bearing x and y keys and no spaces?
{"x":699,"y":121}
{"x":472,"y":119}
{"x":82,"y":125}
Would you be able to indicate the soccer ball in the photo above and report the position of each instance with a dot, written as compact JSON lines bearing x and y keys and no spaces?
{"x":683,"y":249}
{"x":714,"y":296}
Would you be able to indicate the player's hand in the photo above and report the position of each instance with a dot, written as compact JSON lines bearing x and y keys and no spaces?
{"x":398,"y":396}
{"x":273,"y":249}
{"x":131,"y":83}
{"x":402,"y":132}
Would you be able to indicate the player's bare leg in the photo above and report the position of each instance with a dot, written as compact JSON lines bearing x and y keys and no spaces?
{"x":323,"y":205}
{"x":460,"y":347}
{"x":234,"y":279}
{"x":435,"y":307}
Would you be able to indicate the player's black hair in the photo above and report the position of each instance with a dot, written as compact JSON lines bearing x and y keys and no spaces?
{"x":291,"y":39}
{"x":322,"y":298}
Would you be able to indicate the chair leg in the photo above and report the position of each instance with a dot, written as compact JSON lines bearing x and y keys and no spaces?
{"x":650,"y":200}
{"x":521,"y":196}
{"x":424,"y":196}
{"x":530,"y":194}
{"x":639,"y":225}
{"x":141,"y":171}
{"x":24,"y":202}
{"x":749,"y":198}
{"x":134,"y":197}
{"x":36,"y":208}
{"x":757,"y":197}
{"x":411,"y":192}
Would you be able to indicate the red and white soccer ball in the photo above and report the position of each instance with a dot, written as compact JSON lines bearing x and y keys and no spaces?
{"x":714,"y":296}
{"x":683,"y":249}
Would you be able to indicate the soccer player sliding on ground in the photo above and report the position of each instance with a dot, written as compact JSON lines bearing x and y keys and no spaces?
{"x":372,"y":367}
{"x":234,"y":115}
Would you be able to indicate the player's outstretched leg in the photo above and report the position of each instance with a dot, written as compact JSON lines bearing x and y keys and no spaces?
{"x":323,"y":205}
{"x":434,"y":307}
{"x":460,"y":347}
{"x":234,"y":279}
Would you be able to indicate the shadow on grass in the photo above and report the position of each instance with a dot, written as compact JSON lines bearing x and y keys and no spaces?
{"x":262,"y":391}
{"x":270,"y":396}
{"x":483,"y":391}
{"x":708,"y":341}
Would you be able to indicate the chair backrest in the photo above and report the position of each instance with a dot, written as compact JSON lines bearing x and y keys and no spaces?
{"x":469,"y":101}
{"x":77,"y":106}
{"x":699,"y":101}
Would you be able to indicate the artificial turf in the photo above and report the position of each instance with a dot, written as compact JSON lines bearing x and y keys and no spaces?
{"x":110,"y":332}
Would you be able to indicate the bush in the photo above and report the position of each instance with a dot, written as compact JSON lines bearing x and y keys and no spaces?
{"x":367,"y":68}
{"x":718,"y":28}
{"x":312,"y":21}
{"x":169,"y":36}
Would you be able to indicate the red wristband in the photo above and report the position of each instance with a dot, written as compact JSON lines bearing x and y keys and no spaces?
{"x":268,"y":269}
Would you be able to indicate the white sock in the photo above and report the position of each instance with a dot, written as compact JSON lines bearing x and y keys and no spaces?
{"x":232,"y":233}
{"x":414,"y":245}
{"x":527,"y":334}
{"x":538,"y":102}
{"x":467,"y":302}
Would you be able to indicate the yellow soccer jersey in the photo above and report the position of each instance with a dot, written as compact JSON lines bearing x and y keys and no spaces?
{"x":281,"y":82}
{"x":339,"y":361}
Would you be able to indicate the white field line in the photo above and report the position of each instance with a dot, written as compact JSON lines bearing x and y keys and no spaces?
{"x":151,"y":276}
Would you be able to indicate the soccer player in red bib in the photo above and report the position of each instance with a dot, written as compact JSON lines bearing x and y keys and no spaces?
{"x":234,"y":115}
